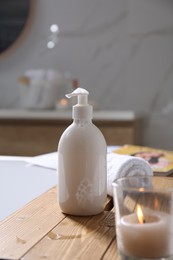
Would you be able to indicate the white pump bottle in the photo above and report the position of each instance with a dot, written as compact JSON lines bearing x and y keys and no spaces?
{"x":82,"y":162}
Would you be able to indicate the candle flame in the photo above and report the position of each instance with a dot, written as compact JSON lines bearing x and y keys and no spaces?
{"x":140,"y":215}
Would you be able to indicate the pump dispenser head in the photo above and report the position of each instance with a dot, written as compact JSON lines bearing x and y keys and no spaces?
{"x":82,"y":110}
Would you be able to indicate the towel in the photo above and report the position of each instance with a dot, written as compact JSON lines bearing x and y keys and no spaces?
{"x":117,"y":166}
{"x":124,"y":165}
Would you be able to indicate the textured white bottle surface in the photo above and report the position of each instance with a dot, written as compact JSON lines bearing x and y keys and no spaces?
{"x":82,"y":169}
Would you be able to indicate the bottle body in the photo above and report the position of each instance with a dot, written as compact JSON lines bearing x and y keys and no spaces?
{"x":82,"y":183}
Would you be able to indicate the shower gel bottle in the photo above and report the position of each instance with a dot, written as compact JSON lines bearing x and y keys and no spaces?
{"x":82,"y":152}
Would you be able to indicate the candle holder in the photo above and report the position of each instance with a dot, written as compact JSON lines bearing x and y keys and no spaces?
{"x":144,"y":217}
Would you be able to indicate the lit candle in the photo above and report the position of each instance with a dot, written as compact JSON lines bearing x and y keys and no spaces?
{"x":144,"y":234}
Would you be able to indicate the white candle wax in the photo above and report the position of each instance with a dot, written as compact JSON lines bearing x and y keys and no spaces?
{"x":146,"y":240}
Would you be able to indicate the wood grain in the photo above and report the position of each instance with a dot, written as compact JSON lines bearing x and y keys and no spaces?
{"x":37,"y":221}
{"x":26,"y":227}
{"x":112,"y":252}
{"x":41,"y":231}
{"x":76,"y":238}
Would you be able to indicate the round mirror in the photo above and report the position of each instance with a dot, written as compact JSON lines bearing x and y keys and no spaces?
{"x":14,"y":16}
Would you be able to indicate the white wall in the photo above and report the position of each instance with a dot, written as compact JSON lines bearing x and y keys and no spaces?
{"x":120,"y":50}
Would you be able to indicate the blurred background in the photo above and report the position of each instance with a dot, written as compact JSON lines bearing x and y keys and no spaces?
{"x":121,"y":51}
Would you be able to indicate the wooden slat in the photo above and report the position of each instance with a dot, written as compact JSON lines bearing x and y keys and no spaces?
{"x":112,"y":252}
{"x":76,"y":238}
{"x":23,"y":229}
{"x":40,"y":231}
{"x":26,"y":227}
{"x":164,"y":182}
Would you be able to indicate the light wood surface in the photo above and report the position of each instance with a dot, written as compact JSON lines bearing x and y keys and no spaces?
{"x":41,"y":231}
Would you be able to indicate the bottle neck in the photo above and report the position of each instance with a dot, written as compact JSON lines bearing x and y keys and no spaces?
{"x":82,"y":121}
{"x":82,"y":112}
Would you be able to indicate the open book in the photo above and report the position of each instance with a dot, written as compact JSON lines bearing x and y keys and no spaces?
{"x":161,"y":161}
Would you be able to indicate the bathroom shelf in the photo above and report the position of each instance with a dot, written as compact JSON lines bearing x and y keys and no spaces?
{"x":29,"y":133}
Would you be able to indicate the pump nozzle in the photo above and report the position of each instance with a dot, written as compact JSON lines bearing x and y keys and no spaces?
{"x":82,"y":95}
{"x":82,"y":109}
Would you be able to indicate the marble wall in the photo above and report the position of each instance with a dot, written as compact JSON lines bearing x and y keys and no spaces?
{"x":120,"y":50}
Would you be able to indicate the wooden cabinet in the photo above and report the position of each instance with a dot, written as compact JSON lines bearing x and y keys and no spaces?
{"x":30,"y":133}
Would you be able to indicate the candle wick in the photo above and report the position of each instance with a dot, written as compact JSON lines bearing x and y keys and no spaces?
{"x":144,"y":221}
